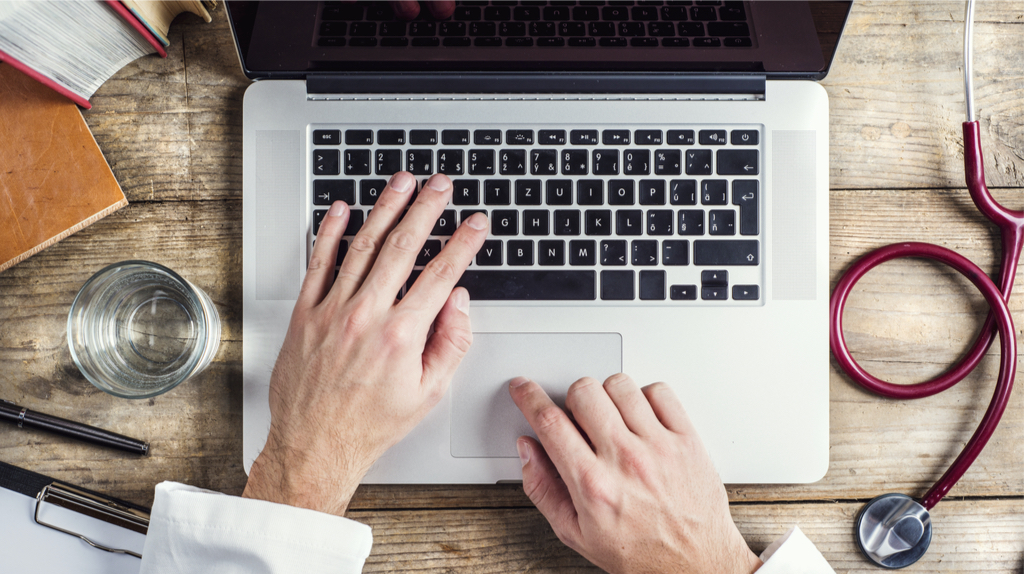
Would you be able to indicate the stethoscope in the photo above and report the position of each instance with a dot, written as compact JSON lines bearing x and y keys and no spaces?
{"x":894,"y":530}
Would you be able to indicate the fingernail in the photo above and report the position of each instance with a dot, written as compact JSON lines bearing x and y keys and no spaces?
{"x":337,"y":209}
{"x":462,"y":301}
{"x":439,"y":182}
{"x":518,"y":382}
{"x":524,"y":451}
{"x":477,"y":221}
{"x":402,"y":182}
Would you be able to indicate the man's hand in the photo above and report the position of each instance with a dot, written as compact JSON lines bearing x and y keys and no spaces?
{"x":636,"y":493}
{"x":359,"y":369}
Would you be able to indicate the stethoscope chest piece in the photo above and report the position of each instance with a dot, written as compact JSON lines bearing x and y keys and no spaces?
{"x":894,"y":530}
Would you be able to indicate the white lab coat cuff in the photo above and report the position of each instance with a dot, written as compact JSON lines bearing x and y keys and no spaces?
{"x":196,"y":530}
{"x":793,"y":554}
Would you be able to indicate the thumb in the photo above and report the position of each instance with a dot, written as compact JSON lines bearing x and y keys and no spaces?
{"x":548,"y":492}
{"x":449,"y":343}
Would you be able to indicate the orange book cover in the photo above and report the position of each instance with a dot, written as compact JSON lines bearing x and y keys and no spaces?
{"x":54,"y":179}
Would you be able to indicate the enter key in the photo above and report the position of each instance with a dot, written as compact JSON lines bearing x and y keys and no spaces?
{"x":744,"y":194}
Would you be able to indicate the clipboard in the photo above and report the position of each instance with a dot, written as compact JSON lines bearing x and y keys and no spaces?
{"x":50,"y":526}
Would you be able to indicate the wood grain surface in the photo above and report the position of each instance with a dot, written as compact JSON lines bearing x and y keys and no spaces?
{"x":171,"y":130}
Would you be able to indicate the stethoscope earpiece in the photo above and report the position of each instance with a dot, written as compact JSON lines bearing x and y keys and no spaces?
{"x":894,"y":531}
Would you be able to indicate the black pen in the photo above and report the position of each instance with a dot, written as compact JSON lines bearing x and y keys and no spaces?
{"x":23,"y":417}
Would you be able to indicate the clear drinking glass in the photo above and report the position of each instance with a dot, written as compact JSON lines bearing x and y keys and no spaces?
{"x":137,"y":329}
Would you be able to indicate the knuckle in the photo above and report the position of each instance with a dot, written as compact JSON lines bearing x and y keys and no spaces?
{"x":402,"y":240}
{"x":399,"y":333}
{"x":596,"y":488}
{"x":363,"y":243}
{"x":549,"y":417}
{"x":442,"y":269}
{"x":358,"y":317}
{"x":461,"y":339}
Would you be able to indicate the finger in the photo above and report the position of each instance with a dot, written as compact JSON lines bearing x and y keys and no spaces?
{"x":320,"y":271}
{"x":633,"y":406}
{"x":362,"y":252}
{"x":566,"y":448}
{"x":449,"y":342}
{"x":439,"y":277}
{"x":441,"y":9}
{"x":668,"y":408}
{"x":548,"y":491}
{"x":406,"y":10}
{"x":596,"y":414}
{"x":398,"y":253}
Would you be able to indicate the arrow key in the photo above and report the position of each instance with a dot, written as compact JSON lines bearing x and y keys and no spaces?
{"x":745,"y":292}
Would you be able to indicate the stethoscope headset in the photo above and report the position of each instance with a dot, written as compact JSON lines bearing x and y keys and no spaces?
{"x":894,"y":530}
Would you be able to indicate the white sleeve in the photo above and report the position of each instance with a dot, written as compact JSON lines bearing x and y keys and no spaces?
{"x":196,"y":530}
{"x":793,"y":554}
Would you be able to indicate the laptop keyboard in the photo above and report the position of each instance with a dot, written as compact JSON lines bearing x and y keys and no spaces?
{"x":602,"y":213}
{"x":597,"y":24}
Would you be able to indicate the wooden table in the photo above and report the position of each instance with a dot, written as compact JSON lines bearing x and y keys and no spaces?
{"x":171,"y":130}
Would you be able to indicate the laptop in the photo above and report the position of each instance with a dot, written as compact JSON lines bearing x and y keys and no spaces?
{"x":656,"y":180}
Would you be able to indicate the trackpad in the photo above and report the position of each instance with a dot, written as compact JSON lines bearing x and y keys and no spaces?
{"x":485,"y":421}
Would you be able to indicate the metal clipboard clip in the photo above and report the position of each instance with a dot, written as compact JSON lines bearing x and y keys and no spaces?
{"x":93,"y":506}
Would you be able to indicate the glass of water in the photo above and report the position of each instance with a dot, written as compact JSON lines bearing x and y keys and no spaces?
{"x":138,"y":329}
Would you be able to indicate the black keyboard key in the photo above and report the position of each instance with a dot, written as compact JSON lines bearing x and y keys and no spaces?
{"x":598,"y":222}
{"x":363,"y":29}
{"x":528,"y":192}
{"x":585,"y":13}
{"x":583,"y":137}
{"x":674,"y":13}
{"x":450,"y":28}
{"x":629,"y":222}
{"x":551,"y":137}
{"x":659,"y":221}
{"x":446,"y":224}
{"x":644,"y":13}
{"x":423,"y":137}
{"x":497,"y":192}
{"x":330,"y":42}
{"x":737,"y":42}
{"x":743,"y":137}
{"x":327,"y":191}
{"x":388,"y":161}
{"x":726,"y":252}
{"x":574,"y":162}
{"x":606,"y":161}
{"x":519,"y":42}
{"x":358,"y":137}
{"x":318,"y":218}
{"x":551,"y":252}
{"x":714,"y":293}
{"x":556,"y":13}
{"x":519,"y":137}
{"x":713,"y":192}
{"x":632,"y":29}
{"x":737,"y":162}
{"x":391,"y":137}
{"x":683,"y":292}
{"x":504,"y":222}
{"x":582,"y":42}
{"x":530,"y":285}
{"x":691,"y":222}
{"x":645,"y":252}
{"x":526,"y":13}
{"x":487,"y":42}
{"x":722,"y":222}
{"x":483,"y":29}
{"x":706,"y":42}
{"x":466,"y":192}
{"x":615,"y":13}
{"x":668,"y":162}
{"x":703,"y":13}
{"x":489,"y":254}
{"x":615,"y":137}
{"x":455,"y":137}
{"x":675,"y":42}
{"x":520,"y":252}
{"x":487,"y":137}
{"x":467,"y":213}
{"x":355,"y":222}
{"x":558,"y":192}
{"x":542,"y":28}
{"x":342,"y":251}
{"x":466,"y":13}
{"x":698,"y":162}
{"x":711,"y":137}
{"x":341,"y":11}
{"x":590,"y":192}
{"x":550,"y":42}
{"x":714,"y":278}
{"x":573,"y":29}
{"x":617,"y":286}
{"x":449,"y":161}
{"x":497,"y":13}
{"x":370,"y":190}
{"x":567,"y":222}
{"x":643,"y":42}
{"x":481,"y":162}
{"x":683,"y":192}
{"x":392,"y":29}
{"x":745,"y":292}
{"x":326,"y":161}
{"x":648,"y":137}
{"x":690,"y":29}
{"x":620,"y":192}
{"x":652,"y":285}
{"x":357,"y":162}
{"x":636,"y":162}
{"x":613,"y":42}
{"x":544,"y":162}
{"x":613,"y":252}
{"x":728,"y":29}
{"x":582,"y":252}
{"x":660,"y":29}
{"x":535,"y":221}
{"x":680,"y":137}
{"x":744,"y":194}
{"x":326,"y":137}
{"x":419,"y":161}
{"x":675,"y":252}
{"x":428,"y":252}
{"x":732,"y":11}
{"x":512,"y":162}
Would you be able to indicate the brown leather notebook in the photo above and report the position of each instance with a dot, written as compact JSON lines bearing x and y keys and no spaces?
{"x":53,"y":177}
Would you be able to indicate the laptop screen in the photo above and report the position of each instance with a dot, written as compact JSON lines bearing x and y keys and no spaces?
{"x":773,"y":39}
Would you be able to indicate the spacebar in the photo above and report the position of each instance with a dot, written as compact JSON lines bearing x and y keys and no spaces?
{"x":530,"y":285}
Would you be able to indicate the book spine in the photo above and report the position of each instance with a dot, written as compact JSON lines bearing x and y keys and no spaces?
{"x":142,"y":30}
{"x":46,"y":81}
{"x":159,"y":35}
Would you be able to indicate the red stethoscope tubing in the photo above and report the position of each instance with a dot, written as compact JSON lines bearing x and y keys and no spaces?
{"x":1011,"y":226}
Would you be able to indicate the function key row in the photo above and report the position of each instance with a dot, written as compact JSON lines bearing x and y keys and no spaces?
{"x":544,"y":137}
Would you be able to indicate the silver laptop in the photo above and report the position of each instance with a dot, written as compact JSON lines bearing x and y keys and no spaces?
{"x":656,"y":179}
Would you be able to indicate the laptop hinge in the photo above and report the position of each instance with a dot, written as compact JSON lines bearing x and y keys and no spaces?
{"x":641,"y":86}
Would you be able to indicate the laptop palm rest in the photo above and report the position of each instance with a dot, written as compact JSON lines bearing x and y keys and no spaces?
{"x":485,"y":421}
